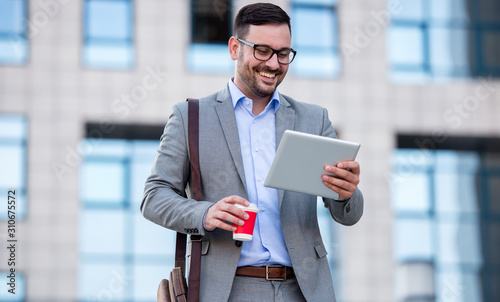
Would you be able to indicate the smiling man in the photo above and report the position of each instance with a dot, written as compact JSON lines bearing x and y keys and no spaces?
{"x":240,"y":128}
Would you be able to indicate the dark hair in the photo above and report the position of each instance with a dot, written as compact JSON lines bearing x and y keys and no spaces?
{"x":259,"y":14}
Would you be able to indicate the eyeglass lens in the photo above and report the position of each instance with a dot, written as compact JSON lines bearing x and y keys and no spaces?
{"x":265,"y":53}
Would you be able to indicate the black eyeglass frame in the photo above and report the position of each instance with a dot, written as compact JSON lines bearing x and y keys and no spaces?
{"x":274,"y":51}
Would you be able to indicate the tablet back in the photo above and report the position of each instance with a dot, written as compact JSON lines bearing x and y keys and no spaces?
{"x":300,"y":160}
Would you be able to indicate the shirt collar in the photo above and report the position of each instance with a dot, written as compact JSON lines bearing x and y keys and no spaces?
{"x":237,"y":95}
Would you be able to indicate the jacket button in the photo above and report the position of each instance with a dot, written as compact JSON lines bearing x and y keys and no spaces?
{"x":237,"y":243}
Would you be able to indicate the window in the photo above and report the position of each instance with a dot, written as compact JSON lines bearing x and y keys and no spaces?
{"x":13,"y":28}
{"x":331,"y":240}
{"x":444,"y":39}
{"x":8,"y":293}
{"x":108,"y":34}
{"x":315,"y":37}
{"x":123,"y":256}
{"x":447,"y":224}
{"x":13,"y":139}
{"x":211,"y":27}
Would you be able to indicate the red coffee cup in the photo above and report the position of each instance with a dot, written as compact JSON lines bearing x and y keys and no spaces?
{"x":245,"y":232}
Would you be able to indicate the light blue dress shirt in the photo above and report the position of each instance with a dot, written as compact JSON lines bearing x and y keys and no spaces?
{"x":258,"y":146}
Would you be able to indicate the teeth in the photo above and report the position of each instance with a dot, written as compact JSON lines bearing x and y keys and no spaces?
{"x":269,"y":75}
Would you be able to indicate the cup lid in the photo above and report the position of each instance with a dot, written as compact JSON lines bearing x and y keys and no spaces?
{"x":251,"y":207}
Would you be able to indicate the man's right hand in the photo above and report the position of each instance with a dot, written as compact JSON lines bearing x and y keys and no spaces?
{"x":224,"y":212}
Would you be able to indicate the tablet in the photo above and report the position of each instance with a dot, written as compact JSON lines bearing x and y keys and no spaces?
{"x":300,"y":160}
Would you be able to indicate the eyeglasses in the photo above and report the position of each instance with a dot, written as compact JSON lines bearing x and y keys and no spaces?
{"x":263,"y":53}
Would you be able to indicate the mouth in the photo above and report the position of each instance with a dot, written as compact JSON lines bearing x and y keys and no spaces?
{"x":267,"y":75}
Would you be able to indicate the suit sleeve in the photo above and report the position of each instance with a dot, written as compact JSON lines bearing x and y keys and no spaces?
{"x":344,"y":212}
{"x":165,"y":201}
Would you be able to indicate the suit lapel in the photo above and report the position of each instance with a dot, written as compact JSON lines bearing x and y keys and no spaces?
{"x":227,"y":119}
{"x":285,"y":119}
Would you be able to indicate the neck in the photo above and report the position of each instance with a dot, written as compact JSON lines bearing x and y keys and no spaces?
{"x":259,"y":102}
{"x":259,"y":105}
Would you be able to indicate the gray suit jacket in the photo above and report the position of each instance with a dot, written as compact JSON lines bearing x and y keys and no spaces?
{"x":166,"y":203}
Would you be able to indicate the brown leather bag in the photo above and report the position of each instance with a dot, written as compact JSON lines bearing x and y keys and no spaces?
{"x":175,"y":289}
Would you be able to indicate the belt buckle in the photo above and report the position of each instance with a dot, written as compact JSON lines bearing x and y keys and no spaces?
{"x":275,"y":279}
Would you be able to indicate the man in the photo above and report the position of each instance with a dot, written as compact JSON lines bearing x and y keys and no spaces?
{"x":240,"y":128}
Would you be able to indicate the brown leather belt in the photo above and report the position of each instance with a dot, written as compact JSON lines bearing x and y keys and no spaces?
{"x":270,"y":272}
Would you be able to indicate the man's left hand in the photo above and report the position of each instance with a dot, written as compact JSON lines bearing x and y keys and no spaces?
{"x":346,"y":180}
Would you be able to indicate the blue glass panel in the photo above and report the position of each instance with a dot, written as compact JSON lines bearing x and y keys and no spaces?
{"x":459,"y":241}
{"x":406,"y":45}
{"x":327,"y":229}
{"x":456,"y":194}
{"x":449,"y":51}
{"x":20,"y":287}
{"x":413,"y":239}
{"x":12,"y":16}
{"x":103,"y":282}
{"x":143,"y":156}
{"x":455,"y":177}
{"x":13,"y":127}
{"x":103,"y":232}
{"x":139,"y":172}
{"x":409,"y":10}
{"x":12,"y":161}
{"x":13,"y":50}
{"x":458,"y":286}
{"x":112,"y":55}
{"x":103,"y":182}
{"x":314,"y":27}
{"x":448,"y":10}
{"x":146,"y":277}
{"x":412,"y":193}
{"x":316,"y":63}
{"x":408,"y":161}
{"x":146,"y":236}
{"x":99,"y":148}
{"x":210,"y":58}
{"x":145,"y":151}
{"x":109,"y":19}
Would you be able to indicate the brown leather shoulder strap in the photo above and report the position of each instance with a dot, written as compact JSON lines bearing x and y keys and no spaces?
{"x":193,"y":133}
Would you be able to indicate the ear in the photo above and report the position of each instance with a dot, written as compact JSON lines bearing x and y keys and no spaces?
{"x":234,"y":46}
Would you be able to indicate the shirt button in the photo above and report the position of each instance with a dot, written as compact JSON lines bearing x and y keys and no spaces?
{"x":266,"y":242}
{"x":257,"y":149}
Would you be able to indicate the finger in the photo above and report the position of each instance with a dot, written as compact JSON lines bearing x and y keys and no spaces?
{"x":221,"y":219}
{"x":339,"y":183}
{"x":343,"y":193}
{"x":223,"y":225}
{"x":229,"y":206}
{"x":351,"y":165}
{"x":224,"y":213}
{"x":346,"y":175}
{"x":235,"y":199}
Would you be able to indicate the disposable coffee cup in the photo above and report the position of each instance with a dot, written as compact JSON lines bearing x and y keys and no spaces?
{"x":245,"y":232}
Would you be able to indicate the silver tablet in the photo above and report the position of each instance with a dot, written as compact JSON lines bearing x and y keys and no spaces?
{"x":300,"y":160}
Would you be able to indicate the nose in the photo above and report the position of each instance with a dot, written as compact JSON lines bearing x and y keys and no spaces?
{"x":273,"y":62}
